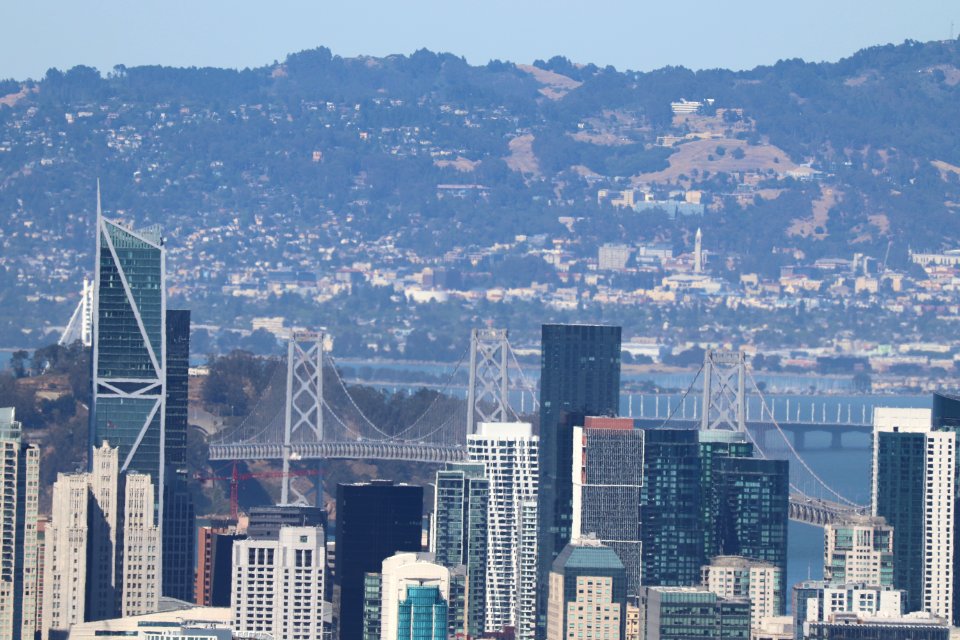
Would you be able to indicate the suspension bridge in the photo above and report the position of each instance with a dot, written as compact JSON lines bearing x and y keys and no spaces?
{"x":307,"y":413}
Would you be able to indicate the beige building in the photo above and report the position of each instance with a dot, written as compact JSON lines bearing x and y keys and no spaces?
{"x":141,"y":548}
{"x":587,"y":593}
{"x":737,"y":577}
{"x":858,"y":549}
{"x":19,"y":491}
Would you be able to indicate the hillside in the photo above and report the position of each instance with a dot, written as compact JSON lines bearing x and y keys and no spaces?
{"x":327,"y":165}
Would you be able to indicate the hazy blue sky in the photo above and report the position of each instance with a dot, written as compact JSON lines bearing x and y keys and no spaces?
{"x":637,"y":34}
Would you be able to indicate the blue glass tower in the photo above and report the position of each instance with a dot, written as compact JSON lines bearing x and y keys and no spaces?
{"x":423,"y":615}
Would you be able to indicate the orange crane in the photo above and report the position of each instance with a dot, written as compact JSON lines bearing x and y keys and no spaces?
{"x":236,"y":478}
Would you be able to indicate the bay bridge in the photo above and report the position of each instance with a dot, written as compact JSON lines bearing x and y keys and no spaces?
{"x":308,"y":413}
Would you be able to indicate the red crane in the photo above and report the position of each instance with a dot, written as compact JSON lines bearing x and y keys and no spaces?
{"x":236,"y":478}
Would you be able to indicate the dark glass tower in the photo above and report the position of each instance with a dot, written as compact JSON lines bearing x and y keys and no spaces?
{"x":179,"y":536}
{"x":579,"y":376}
{"x":460,"y":531}
{"x":715,"y":444}
{"x":374,"y":521}
{"x":899,"y":497}
{"x":671,"y":508}
{"x":753,"y":510}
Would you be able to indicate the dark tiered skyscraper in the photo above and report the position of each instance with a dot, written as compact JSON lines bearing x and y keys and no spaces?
{"x":374,"y":521}
{"x":579,"y":376}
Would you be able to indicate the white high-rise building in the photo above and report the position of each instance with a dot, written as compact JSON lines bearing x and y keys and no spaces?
{"x":698,"y":252}
{"x":509,"y":451}
{"x":526,"y":610}
{"x":278,"y":584}
{"x":141,"y":548}
{"x":403,"y":570}
{"x":736,"y":577}
{"x":913,"y":489}
{"x":858,"y":549}
{"x":87,"y":575}
{"x":19,"y":493}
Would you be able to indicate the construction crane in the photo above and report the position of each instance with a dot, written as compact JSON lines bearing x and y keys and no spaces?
{"x":236,"y":478}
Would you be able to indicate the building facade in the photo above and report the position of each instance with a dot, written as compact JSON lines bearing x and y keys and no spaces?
{"x":858,"y":549}
{"x":404,"y":616}
{"x":375,"y":520}
{"x":215,"y":565}
{"x":278,"y":584}
{"x":587,"y":593}
{"x":422,"y":614}
{"x":688,"y":613}
{"x":509,"y":453}
{"x":19,"y":499}
{"x":579,"y":376}
{"x":737,"y":577}
{"x":459,"y":536}
{"x":607,"y":481}
{"x":140,"y":563}
{"x":914,"y":471}
{"x":819,"y":601}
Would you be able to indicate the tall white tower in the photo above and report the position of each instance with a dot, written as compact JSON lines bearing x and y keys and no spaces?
{"x":698,"y":252}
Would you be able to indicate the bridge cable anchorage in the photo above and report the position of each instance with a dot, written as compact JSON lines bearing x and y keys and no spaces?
{"x":440,"y":394}
{"x":803,"y":463}
{"x":523,"y":378}
{"x":682,"y":398}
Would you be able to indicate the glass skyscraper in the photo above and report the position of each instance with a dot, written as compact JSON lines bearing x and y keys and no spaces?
{"x":460,"y":531}
{"x":423,"y":615}
{"x":129,"y":355}
{"x":579,"y":376}
{"x":716,"y":444}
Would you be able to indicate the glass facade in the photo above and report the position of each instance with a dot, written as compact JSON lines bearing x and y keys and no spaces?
{"x":423,"y":615}
{"x":716,"y":444}
{"x":371,"y":606}
{"x":374,"y":521}
{"x":901,"y":464}
{"x":689,"y":613}
{"x":753,"y":510}
{"x":460,"y":531}
{"x":671,"y":520}
{"x":128,"y":348}
{"x":579,"y":376}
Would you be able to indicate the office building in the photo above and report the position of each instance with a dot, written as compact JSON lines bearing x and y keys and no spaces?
{"x":102,"y":545}
{"x":266,"y":521}
{"x":375,"y":520}
{"x":509,"y":453}
{"x":526,"y":610}
{"x":129,"y":361}
{"x":579,"y":376}
{"x":819,"y":601}
{"x":671,"y":530}
{"x":858,"y":549}
{"x":921,"y":626}
{"x":372,"y":596}
{"x":714,"y":444}
{"x":753,"y":510}
{"x":914,"y":471}
{"x":587,"y":593}
{"x":215,"y":565}
{"x":406,"y":611}
{"x":19,"y":496}
{"x":688,"y":613}
{"x":278,"y":584}
{"x":759,"y":582}
{"x":945,"y":416}
{"x":179,"y":520}
{"x":607,"y":480}
{"x":459,"y":534}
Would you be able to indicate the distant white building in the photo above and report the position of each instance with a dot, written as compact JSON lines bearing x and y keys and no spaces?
{"x":613,"y":257}
{"x":510,"y":453}
{"x":278,"y":584}
{"x":683,"y":106}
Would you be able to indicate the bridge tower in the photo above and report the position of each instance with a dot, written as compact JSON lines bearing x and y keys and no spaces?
{"x":724,"y":391}
{"x":304,"y":403}
{"x":488,"y":386}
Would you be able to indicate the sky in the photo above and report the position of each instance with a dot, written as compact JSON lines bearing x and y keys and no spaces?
{"x":637,"y":34}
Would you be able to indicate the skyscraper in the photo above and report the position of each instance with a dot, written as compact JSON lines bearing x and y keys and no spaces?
{"x":671,"y":516}
{"x":422,"y":614}
{"x":19,"y":495}
{"x":945,"y":416}
{"x":459,"y":534}
{"x":278,"y":584}
{"x":406,"y":612}
{"x":587,"y":592}
{"x":579,"y":376}
{"x":179,"y":523}
{"x":140,"y":563}
{"x":215,"y":565}
{"x":858,"y":549}
{"x":375,"y":520}
{"x":913,"y":489}
{"x":509,"y":453}
{"x":715,"y":444}
{"x":607,"y":481}
{"x":753,"y":511}
{"x":129,"y":358}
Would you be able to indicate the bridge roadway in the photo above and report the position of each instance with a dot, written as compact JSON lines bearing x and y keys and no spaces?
{"x":798,"y":430}
{"x":802,"y":508}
